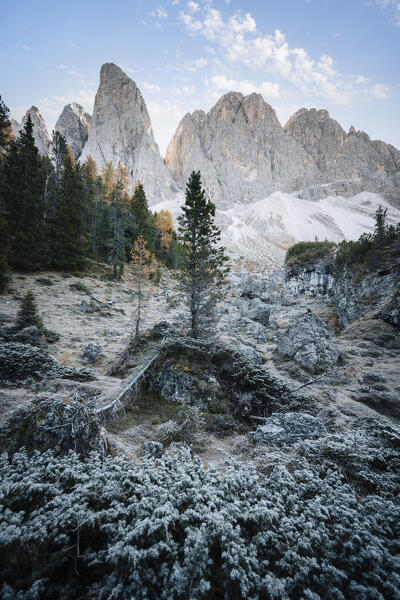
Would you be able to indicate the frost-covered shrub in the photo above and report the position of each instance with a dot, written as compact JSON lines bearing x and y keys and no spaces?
{"x":19,"y":361}
{"x":190,"y":423}
{"x":53,"y":422}
{"x":105,"y":528}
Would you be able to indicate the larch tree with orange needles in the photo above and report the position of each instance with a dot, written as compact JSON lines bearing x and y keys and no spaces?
{"x":143,"y":267}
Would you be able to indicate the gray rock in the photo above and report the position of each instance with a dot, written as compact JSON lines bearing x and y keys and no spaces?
{"x":288,"y":428}
{"x":373,"y":378}
{"x":40,"y":133}
{"x":250,"y":353}
{"x":241,"y":150}
{"x":309,"y":342}
{"x":153,"y":449}
{"x":89,"y":306}
{"x":258,"y":311}
{"x":73,"y":124}
{"x":186,"y":384}
{"x":365,"y":164}
{"x":120,"y":131}
{"x":91,"y":353}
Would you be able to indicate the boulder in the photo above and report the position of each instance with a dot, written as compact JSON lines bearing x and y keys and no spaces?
{"x":258,"y":311}
{"x":288,"y":428}
{"x":309,"y":342}
{"x":91,"y":353}
{"x":250,"y":354}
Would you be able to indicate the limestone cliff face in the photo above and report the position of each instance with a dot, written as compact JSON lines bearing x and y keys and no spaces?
{"x":120,"y":131}
{"x":73,"y":124}
{"x":40,"y":133}
{"x":241,"y":150}
{"x":363,"y":164}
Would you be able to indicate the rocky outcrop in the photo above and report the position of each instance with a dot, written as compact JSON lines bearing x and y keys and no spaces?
{"x":241,"y":150}
{"x":363,"y":164}
{"x":311,"y":278}
{"x":287,"y":429}
{"x":120,"y":131}
{"x":40,"y":133}
{"x":245,"y":155}
{"x":73,"y":124}
{"x":309,"y":342}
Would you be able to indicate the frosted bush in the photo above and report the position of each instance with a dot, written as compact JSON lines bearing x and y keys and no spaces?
{"x":168,"y":529}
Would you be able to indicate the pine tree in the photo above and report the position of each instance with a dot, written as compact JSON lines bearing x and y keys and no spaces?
{"x":143,"y":218}
{"x":59,"y":150}
{"x":23,"y":185}
{"x":4,"y":241}
{"x":68,"y":248}
{"x":380,"y":226}
{"x":143,"y":266}
{"x":204,"y":265}
{"x":28,"y":314}
{"x":118,"y":216}
{"x":5,"y":128}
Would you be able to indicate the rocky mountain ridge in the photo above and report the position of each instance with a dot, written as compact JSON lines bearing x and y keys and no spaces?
{"x":240,"y":147}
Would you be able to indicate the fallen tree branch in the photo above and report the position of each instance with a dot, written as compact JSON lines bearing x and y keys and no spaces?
{"x":111,"y":406}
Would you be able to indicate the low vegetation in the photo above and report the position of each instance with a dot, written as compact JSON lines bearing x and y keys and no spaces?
{"x":371,"y":249}
{"x":312,"y":527}
{"x":304,"y":252}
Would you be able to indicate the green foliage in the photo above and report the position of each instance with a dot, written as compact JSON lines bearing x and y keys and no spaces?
{"x":68,"y":243}
{"x":304,"y":252}
{"x":28,"y":314}
{"x":371,"y":248}
{"x":204,"y":264}
{"x":22,"y":190}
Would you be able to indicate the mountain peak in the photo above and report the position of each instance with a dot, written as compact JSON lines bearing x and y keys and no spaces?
{"x":73,"y":124}
{"x":120,"y":131}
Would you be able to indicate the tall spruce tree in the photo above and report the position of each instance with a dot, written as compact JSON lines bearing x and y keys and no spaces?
{"x":143,"y":218}
{"x":68,"y":249}
{"x":4,"y":241}
{"x":204,"y":265}
{"x":23,"y":185}
{"x":119,"y":222}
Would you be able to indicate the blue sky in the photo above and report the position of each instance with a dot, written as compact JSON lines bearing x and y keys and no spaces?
{"x":342,"y":55}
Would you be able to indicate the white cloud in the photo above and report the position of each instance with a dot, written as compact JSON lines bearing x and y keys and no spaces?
{"x":161,"y":12}
{"x":380,"y":91}
{"x":239,"y":42}
{"x":246,"y":87}
{"x":151,"y":87}
{"x":26,"y":48}
{"x":394,"y":7}
{"x":193,"y":7}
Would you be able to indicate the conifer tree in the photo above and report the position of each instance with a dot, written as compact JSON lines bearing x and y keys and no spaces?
{"x":143,"y":266}
{"x":204,"y":265}
{"x":4,"y":241}
{"x":23,"y":185}
{"x":59,"y":149}
{"x":5,"y":128}
{"x":143,"y":218}
{"x":118,"y":216}
{"x":68,"y":248}
{"x":28,"y":314}
{"x":380,"y":226}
